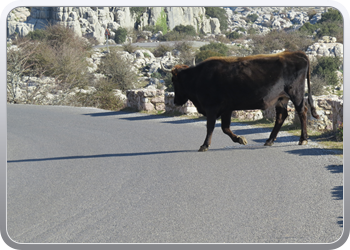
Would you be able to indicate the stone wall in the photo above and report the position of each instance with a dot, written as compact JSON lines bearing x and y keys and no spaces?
{"x":329,"y":108}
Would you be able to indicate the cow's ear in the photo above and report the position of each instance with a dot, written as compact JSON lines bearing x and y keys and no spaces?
{"x":175,"y":71}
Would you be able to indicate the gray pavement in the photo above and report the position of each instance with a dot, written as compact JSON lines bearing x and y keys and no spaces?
{"x":88,"y":175}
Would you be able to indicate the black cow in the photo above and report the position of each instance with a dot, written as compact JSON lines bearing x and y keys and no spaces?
{"x":219,"y":85}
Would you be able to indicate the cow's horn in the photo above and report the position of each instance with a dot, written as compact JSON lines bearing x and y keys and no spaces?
{"x":164,"y":69}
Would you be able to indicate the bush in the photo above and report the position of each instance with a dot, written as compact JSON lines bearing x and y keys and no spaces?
{"x":205,"y":54}
{"x":331,"y":24}
{"x":180,"y":32}
{"x":120,"y":35}
{"x":277,"y":40}
{"x":219,"y":47}
{"x":38,"y":34}
{"x":129,"y":48}
{"x":118,"y":70}
{"x":161,"y":50}
{"x":216,"y":12}
{"x":103,"y":97}
{"x":318,"y":84}
{"x":326,"y":67}
{"x":252,"y":17}
{"x":211,"y":49}
{"x":332,"y":15}
{"x":187,"y":30}
{"x":234,"y":35}
{"x":60,"y":55}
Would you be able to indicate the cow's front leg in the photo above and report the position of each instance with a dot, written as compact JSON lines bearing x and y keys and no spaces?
{"x":225,"y":126}
{"x":211,"y":120}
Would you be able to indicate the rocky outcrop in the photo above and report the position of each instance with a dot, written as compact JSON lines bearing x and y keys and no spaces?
{"x":92,"y":21}
{"x":327,"y":46}
{"x":268,"y":18}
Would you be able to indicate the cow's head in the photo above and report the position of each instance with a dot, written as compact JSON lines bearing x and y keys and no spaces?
{"x":179,"y":81}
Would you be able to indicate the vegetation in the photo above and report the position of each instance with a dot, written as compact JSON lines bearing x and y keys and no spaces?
{"x":118,"y":71}
{"x":161,"y":49}
{"x":278,"y":40}
{"x":161,"y":22}
{"x":186,"y":52}
{"x":326,"y":68}
{"x":138,"y":11}
{"x":212,"y":49}
{"x":38,"y":35}
{"x":120,"y":35}
{"x":180,"y":32}
{"x":252,"y":17}
{"x":104,"y":96}
{"x":57,"y":53}
{"x":216,"y":12}
{"x":186,"y":29}
{"x":331,"y":24}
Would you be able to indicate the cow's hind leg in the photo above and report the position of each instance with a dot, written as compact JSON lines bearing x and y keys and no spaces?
{"x":225,"y":126}
{"x":301,"y":110}
{"x":302,"y":113}
{"x":281,"y":115}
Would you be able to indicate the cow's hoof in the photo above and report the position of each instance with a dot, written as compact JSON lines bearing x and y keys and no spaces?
{"x":203,"y":148}
{"x":304,"y":142}
{"x":268,"y":143}
{"x":242,"y":140}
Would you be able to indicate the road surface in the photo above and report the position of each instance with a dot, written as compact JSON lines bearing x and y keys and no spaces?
{"x":82,"y":175}
{"x":155,"y":44}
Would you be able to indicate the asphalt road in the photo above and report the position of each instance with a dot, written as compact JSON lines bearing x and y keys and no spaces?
{"x":89,"y":175}
{"x":155,"y":44}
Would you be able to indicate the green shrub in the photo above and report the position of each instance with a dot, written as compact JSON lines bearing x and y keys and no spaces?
{"x":332,"y":15}
{"x":234,"y":35}
{"x":38,"y":34}
{"x":120,"y":35}
{"x":211,"y":49}
{"x":252,"y":17}
{"x":326,"y":68}
{"x":205,"y":54}
{"x":220,"y":13}
{"x":219,"y":47}
{"x":331,"y":24}
{"x":188,"y":29}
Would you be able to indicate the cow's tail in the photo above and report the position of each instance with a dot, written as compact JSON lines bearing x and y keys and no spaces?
{"x":310,"y":100}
